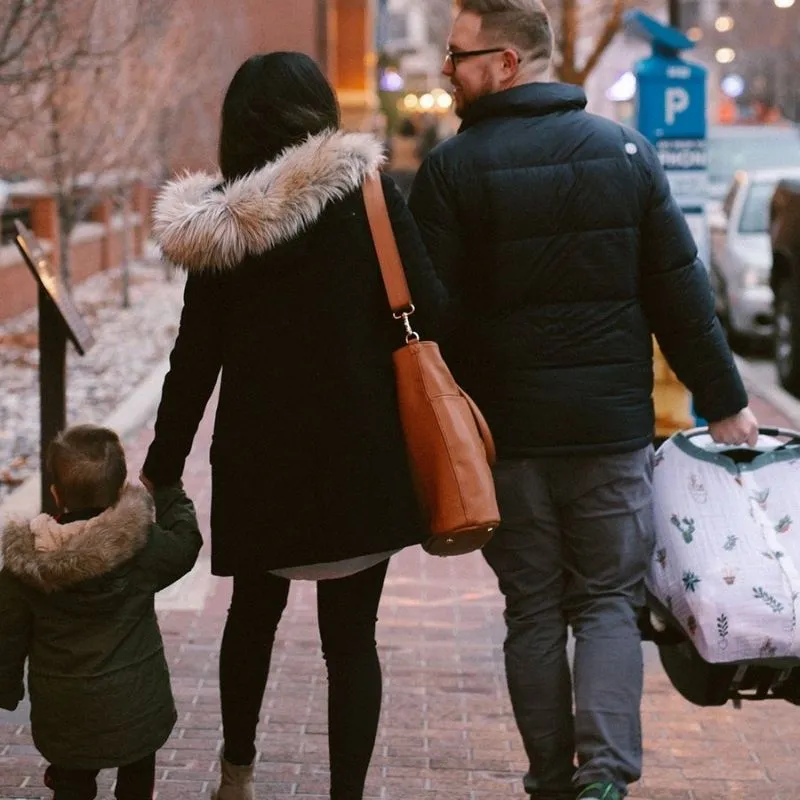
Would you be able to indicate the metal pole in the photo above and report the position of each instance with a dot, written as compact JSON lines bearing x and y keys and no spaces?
{"x":52,"y":385}
{"x":675,"y":13}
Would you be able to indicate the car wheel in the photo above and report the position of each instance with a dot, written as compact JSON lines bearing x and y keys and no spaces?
{"x":787,"y":333}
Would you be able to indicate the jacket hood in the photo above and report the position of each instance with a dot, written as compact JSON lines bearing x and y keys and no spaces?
{"x":51,"y":556}
{"x":202,"y":223}
{"x":530,"y":99}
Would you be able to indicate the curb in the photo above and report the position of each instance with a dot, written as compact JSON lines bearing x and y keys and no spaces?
{"x":126,"y":419}
{"x":784,"y":402}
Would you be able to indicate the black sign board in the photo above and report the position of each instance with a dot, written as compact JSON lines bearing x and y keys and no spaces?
{"x":58,"y":319}
{"x":50,"y":281}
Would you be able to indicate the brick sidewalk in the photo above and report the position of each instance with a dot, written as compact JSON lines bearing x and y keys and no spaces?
{"x":447,"y":729}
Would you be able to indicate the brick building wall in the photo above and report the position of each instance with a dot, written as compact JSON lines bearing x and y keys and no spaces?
{"x":338,"y":34}
{"x":95,"y":245}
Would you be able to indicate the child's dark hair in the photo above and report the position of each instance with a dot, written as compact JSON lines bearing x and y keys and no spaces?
{"x":87,"y":467}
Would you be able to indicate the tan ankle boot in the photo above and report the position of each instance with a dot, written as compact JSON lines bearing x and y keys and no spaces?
{"x":236,"y":783}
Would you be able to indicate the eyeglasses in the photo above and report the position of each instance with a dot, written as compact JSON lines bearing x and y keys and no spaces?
{"x":454,"y":56}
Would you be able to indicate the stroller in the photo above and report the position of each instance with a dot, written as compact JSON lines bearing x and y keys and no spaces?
{"x":724,"y":584}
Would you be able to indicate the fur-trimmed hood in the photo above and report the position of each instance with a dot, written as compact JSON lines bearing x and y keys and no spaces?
{"x":52,"y":556}
{"x":202,"y":223}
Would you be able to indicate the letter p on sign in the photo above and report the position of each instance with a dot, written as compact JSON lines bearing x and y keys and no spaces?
{"x":676,"y":101}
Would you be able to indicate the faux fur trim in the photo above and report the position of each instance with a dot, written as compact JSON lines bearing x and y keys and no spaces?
{"x":81,"y":550}
{"x":203,"y":224}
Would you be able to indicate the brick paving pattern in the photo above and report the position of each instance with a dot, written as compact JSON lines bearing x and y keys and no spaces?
{"x":447,"y":731}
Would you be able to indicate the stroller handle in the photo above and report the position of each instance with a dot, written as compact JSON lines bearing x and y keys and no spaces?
{"x":788,"y":433}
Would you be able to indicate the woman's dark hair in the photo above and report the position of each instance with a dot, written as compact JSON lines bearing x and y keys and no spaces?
{"x":274,"y":101}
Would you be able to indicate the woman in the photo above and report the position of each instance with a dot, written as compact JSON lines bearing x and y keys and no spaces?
{"x":309,"y":474}
{"x":404,"y":157}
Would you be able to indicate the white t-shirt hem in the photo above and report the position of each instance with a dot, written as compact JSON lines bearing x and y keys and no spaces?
{"x":333,"y":569}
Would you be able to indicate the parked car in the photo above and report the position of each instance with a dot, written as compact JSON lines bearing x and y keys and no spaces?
{"x":785,"y":281}
{"x":750,"y":147}
{"x":741,"y":254}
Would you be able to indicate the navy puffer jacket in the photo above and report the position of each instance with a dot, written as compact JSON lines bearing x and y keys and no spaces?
{"x":558,"y":231}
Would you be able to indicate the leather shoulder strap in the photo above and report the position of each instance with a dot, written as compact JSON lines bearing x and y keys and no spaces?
{"x":394,"y":276}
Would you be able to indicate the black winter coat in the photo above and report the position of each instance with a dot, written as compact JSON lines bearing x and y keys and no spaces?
{"x":284,"y":297}
{"x":82,"y":614}
{"x":557,"y":230}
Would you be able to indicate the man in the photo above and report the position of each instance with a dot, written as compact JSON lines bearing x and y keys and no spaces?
{"x":558,"y":232}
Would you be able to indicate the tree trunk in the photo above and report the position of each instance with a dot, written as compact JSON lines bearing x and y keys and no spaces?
{"x":162,"y":149}
{"x":125,"y":270}
{"x":569,"y":71}
{"x":568,"y":41}
{"x":66,"y":226}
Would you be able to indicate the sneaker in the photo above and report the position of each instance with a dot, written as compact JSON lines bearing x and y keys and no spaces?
{"x":599,"y":791}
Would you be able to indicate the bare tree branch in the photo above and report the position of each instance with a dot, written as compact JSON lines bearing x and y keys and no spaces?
{"x":568,"y":39}
{"x":107,"y":74}
{"x":19,"y":24}
{"x":611,"y":28}
{"x":46,"y":35}
{"x":574,"y":21}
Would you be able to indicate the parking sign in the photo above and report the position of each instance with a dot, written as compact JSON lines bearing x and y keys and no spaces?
{"x":671,"y":113}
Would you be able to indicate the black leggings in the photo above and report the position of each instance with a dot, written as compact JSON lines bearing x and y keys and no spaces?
{"x":347,"y":609}
{"x":134,"y":781}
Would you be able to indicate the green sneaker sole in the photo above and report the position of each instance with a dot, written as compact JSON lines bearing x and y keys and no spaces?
{"x":600,"y":791}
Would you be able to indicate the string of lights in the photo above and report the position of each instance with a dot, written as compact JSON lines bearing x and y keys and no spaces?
{"x":721,"y":15}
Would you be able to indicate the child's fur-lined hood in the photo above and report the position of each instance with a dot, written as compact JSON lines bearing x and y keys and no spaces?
{"x":52,"y":556}
{"x":202,"y":223}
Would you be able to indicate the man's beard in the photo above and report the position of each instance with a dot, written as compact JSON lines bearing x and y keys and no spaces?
{"x":466,"y":103}
{"x":463,"y":105}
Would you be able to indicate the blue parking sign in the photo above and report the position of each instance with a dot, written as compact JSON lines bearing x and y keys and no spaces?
{"x":671,"y":113}
{"x":672,"y":98}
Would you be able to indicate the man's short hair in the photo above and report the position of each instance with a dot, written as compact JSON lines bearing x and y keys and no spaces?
{"x":521,"y":23}
{"x":87,"y":466}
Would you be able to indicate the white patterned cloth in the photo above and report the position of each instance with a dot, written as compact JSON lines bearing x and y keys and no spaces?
{"x":727,"y":557}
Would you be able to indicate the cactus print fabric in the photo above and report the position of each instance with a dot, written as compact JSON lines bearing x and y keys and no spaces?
{"x":727,"y":557}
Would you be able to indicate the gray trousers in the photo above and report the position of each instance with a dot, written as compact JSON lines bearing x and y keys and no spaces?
{"x":573,"y":549}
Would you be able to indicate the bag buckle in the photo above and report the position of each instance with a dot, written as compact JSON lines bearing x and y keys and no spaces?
{"x":411,"y":335}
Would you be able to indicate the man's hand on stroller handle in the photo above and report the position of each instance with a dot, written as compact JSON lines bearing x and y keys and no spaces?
{"x":741,"y":428}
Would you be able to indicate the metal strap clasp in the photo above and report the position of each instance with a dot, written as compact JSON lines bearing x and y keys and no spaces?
{"x":411,"y":335}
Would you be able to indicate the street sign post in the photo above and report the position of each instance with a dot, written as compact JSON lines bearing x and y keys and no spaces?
{"x":671,"y":113}
{"x":58,"y":319}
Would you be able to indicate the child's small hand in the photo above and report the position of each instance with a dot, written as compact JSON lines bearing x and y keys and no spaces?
{"x":146,"y":482}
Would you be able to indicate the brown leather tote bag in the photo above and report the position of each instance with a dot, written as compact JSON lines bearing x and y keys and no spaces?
{"x":450,"y":447}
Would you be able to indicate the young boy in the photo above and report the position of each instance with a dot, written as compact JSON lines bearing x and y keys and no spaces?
{"x":77,"y":600}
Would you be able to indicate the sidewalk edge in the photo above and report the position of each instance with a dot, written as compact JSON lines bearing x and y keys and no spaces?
{"x":126,"y":419}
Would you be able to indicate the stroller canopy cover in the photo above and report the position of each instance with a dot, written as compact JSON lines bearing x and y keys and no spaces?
{"x":726,"y":564}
